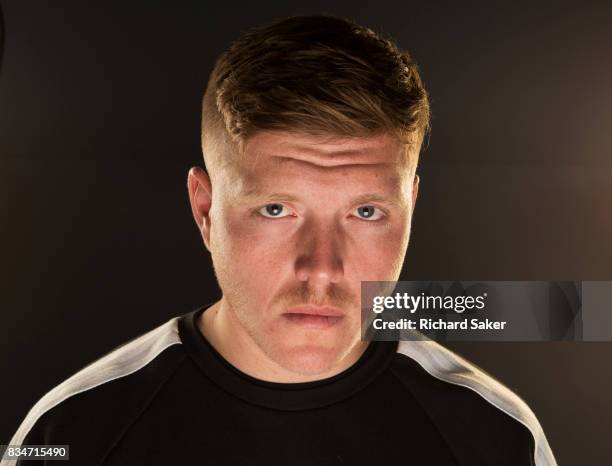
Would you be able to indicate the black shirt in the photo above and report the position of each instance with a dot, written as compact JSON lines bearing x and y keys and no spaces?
{"x":169,"y":398}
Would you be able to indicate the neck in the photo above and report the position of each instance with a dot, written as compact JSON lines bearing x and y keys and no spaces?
{"x":225,"y":333}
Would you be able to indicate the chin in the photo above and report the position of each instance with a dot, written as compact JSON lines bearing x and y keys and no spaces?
{"x":309,"y":360}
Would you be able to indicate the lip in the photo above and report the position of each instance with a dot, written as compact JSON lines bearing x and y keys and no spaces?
{"x":313,"y":317}
{"x":325,"y":311}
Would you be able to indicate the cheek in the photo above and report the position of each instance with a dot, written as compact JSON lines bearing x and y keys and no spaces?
{"x":250,"y":253}
{"x":379,"y":253}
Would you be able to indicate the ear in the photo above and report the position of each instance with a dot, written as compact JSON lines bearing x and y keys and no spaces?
{"x":200,"y":198}
{"x":415,"y":189}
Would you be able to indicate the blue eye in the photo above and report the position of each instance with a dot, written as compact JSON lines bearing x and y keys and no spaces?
{"x":369,"y":212}
{"x":274,"y":211}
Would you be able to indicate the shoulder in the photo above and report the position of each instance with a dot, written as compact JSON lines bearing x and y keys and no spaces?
{"x":110,"y":391}
{"x":483,"y":411}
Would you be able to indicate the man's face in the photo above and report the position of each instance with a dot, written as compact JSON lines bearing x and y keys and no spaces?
{"x":295,"y":224}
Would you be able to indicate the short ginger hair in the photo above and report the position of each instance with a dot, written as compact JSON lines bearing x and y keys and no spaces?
{"x":317,"y":75}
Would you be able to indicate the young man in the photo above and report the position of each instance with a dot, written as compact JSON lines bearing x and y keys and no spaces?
{"x":311,"y":134}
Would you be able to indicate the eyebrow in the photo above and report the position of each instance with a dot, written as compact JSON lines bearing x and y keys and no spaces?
{"x":374,"y":197}
{"x":254,"y":193}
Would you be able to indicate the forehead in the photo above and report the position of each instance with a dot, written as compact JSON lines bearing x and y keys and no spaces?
{"x":282,"y":160}
{"x":324,"y":151}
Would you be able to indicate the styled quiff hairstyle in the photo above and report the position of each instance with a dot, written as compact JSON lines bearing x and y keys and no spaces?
{"x":317,"y":75}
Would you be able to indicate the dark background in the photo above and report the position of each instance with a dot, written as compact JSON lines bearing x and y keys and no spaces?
{"x":99,"y":124}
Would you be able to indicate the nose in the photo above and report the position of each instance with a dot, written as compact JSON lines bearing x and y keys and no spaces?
{"x":319,"y":260}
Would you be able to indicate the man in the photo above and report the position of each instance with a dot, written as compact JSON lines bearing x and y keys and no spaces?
{"x":311,"y":133}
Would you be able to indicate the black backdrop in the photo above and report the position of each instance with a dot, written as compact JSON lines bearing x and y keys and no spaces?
{"x":99,"y":123}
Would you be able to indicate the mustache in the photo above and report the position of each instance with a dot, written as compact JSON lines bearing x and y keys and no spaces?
{"x":334,"y":295}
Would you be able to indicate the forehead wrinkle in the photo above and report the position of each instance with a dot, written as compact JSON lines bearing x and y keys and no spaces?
{"x":328,"y":162}
{"x":332,"y":144}
{"x":325,"y":151}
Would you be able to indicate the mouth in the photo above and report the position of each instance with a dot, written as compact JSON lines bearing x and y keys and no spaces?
{"x":314,"y":317}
